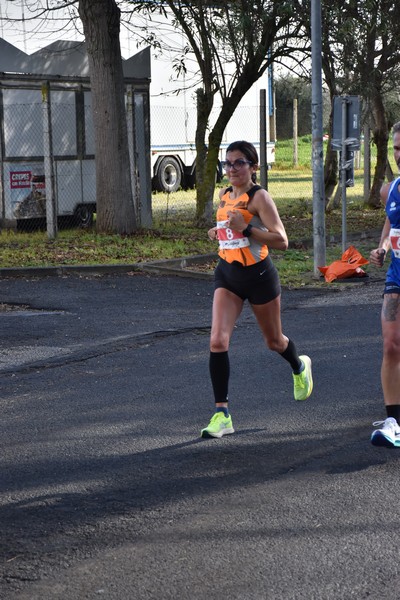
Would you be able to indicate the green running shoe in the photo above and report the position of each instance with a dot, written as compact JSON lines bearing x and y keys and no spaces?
{"x":219,"y":425}
{"x":303,"y":382}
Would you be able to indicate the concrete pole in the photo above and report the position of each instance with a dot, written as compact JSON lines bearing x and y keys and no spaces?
{"x":317,"y":140}
{"x":51,"y":200}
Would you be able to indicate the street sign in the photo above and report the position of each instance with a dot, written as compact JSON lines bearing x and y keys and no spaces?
{"x":351,"y":130}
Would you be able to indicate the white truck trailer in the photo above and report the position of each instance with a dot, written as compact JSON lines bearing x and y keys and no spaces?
{"x":172,"y":134}
{"x":169,"y":138}
{"x":66,"y":138}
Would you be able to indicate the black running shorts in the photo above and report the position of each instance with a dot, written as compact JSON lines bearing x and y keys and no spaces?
{"x":258,"y":283}
{"x":391,"y":288}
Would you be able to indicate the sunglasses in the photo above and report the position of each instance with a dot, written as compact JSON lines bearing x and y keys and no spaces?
{"x":236,"y":165}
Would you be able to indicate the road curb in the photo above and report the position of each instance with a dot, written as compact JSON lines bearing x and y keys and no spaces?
{"x":174,"y":266}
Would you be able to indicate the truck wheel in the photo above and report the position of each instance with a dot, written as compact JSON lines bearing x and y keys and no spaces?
{"x":190,"y":180}
{"x":83,"y":215}
{"x":169,"y":175}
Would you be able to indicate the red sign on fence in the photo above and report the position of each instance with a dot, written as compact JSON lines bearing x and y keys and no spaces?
{"x":20,"y":179}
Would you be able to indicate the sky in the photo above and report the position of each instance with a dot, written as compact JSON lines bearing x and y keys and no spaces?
{"x":29,"y":35}
{"x":19,"y":27}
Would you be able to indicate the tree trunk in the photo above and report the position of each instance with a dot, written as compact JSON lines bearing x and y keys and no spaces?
{"x":331,"y":165}
{"x":336,"y":199}
{"x":330,"y":172}
{"x":115,"y":208}
{"x":389,"y":172}
{"x":206,"y":187}
{"x":381,"y":138}
{"x":206,"y":166}
{"x":206,"y":162}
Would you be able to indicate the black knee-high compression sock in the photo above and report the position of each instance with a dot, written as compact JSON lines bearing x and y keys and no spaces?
{"x":290,"y":354}
{"x":393,"y":410}
{"x":219,"y":372}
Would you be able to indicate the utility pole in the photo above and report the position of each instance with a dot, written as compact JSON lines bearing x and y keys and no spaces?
{"x":319,"y":240}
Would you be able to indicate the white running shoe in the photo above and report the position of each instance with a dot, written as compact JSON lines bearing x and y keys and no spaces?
{"x":388,"y":435}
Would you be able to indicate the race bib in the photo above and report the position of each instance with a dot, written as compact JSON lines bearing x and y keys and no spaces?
{"x":395,"y":242}
{"x":230,"y":239}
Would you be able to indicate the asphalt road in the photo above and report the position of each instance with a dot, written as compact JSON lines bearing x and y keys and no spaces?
{"x":107,"y":490}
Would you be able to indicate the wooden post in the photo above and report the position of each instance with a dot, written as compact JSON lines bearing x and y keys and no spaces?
{"x":367,"y":162}
{"x":295,"y":134}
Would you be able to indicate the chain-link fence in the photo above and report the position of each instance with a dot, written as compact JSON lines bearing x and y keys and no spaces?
{"x":25,"y":190}
{"x":70,"y":149}
{"x":173,"y":159}
{"x":290,"y":181}
{"x":47,"y":153}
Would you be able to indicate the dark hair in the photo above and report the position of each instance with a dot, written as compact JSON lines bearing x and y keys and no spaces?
{"x":248,"y":150}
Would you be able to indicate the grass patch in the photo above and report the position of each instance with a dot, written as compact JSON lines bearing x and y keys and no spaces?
{"x":174,"y":234}
{"x":175,"y":240}
{"x":80,"y":247}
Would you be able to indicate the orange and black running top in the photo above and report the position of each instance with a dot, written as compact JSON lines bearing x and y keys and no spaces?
{"x":233,"y":245}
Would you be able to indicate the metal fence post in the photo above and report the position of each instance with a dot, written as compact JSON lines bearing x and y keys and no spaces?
{"x":317,"y":142}
{"x":51,"y":213}
{"x":343,"y":171}
{"x":132,"y":151}
{"x":263,"y":140}
{"x":2,"y":197}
